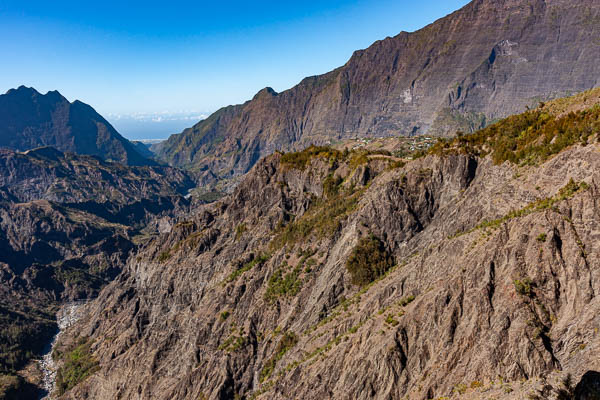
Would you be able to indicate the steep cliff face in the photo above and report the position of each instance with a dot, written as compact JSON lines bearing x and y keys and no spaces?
{"x":483,"y":62}
{"x":67,"y":225}
{"x":29,"y":119}
{"x":352,"y":275}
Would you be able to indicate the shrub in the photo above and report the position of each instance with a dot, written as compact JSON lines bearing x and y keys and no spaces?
{"x":323,"y":218}
{"x":528,"y":138}
{"x":541,"y":237}
{"x":406,"y":301}
{"x":239,"y":231}
{"x":301,"y":159}
{"x":224,"y":315}
{"x":368,"y":261}
{"x":247,"y":267}
{"x":524,"y":287}
{"x":281,"y":285}
{"x":390,"y":320}
{"x":164,"y":256}
{"x":331,"y":185}
{"x":288,"y":341}
{"x":79,"y":363}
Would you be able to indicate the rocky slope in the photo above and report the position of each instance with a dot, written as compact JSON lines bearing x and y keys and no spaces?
{"x":29,"y":119}
{"x":67,"y":226}
{"x":486,"y":61}
{"x":469,"y":273}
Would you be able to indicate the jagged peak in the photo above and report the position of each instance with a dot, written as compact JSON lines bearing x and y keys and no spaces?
{"x":26,"y":91}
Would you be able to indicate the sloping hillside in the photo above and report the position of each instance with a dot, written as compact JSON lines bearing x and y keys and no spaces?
{"x":472,"y":272}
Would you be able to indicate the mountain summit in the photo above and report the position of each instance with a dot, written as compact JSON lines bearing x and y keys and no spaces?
{"x":486,"y":61}
{"x":29,"y":119}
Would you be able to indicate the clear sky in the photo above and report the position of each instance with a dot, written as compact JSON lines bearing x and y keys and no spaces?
{"x":187,"y":57}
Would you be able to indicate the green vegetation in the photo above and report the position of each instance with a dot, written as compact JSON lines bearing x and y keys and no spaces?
{"x":164,"y":256}
{"x":541,"y":237}
{"x":233,"y":343}
{"x":368,"y":261}
{"x":391,"y":321}
{"x":331,"y":185}
{"x":524,"y":287}
{"x":76,"y":277}
{"x":224,"y":315}
{"x":300,"y":160}
{"x":79,"y":363}
{"x":322,"y":219}
{"x":247,"y":267}
{"x":24,"y":331}
{"x":406,"y":301}
{"x":240,"y":230}
{"x":283,"y":285}
{"x":568,"y":191}
{"x":526,"y":139}
{"x":461,"y":388}
{"x":288,"y":341}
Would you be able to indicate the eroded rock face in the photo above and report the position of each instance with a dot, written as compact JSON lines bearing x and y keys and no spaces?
{"x":486,"y":61}
{"x":251,"y":297}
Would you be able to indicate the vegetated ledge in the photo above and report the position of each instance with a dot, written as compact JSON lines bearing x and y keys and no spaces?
{"x":568,"y":191}
{"x":529,"y":138}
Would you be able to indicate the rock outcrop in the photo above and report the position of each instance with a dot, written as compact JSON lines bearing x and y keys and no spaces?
{"x":486,"y":61}
{"x":494,"y":284}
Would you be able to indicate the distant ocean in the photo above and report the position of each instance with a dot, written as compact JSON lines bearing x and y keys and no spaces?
{"x":153,"y":126}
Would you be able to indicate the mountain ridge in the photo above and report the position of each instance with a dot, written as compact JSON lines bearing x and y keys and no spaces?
{"x":29,"y":119}
{"x":483,"y":62}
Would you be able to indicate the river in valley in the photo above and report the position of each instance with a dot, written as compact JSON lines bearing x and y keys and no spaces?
{"x":66,"y":316}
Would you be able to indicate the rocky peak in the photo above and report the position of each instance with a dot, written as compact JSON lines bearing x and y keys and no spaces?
{"x":29,"y":119}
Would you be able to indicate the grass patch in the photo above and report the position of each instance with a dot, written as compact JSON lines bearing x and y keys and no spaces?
{"x":224,"y":315}
{"x":164,"y":256}
{"x":524,"y":287}
{"x":300,"y":160}
{"x":288,"y":341}
{"x":322,"y":219}
{"x":283,"y":284}
{"x":527,"y":139}
{"x":247,"y":267}
{"x":239,"y":231}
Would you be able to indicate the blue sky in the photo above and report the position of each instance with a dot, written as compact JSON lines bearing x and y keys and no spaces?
{"x":133,"y":57}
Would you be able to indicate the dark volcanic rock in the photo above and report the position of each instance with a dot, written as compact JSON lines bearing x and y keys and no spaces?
{"x":486,"y":61}
{"x":29,"y":119}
